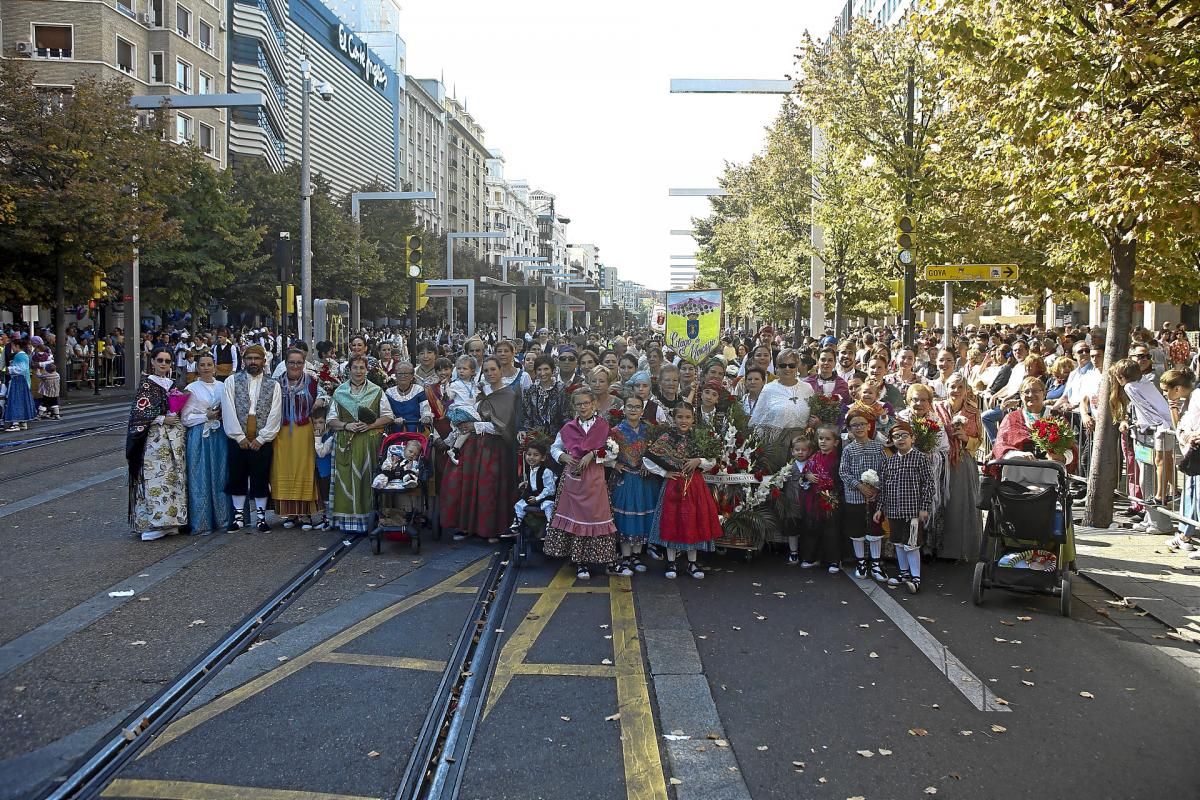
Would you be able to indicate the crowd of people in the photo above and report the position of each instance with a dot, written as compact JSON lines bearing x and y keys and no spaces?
{"x":851,"y":449}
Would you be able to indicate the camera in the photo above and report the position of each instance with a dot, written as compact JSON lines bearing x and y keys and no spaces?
{"x":325,"y":90}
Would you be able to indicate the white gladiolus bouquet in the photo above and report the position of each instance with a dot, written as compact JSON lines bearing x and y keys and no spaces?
{"x":870,"y":478}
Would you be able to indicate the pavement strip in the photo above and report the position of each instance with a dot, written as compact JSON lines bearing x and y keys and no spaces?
{"x":62,"y":491}
{"x":50,"y":633}
{"x":685,"y":702}
{"x":961,"y":678}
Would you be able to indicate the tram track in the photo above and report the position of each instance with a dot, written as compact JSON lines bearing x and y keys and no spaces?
{"x":437,"y":762}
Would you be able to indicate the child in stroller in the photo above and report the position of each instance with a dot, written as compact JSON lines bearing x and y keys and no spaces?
{"x":400,"y":477}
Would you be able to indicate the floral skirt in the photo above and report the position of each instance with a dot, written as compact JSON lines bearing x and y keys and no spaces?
{"x":160,"y":499}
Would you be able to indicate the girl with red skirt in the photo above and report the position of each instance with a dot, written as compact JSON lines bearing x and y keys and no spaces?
{"x":686,"y":518}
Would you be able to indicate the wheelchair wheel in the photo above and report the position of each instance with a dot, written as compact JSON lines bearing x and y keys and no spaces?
{"x":376,"y":541}
{"x":1064,"y":599}
{"x":414,"y":542}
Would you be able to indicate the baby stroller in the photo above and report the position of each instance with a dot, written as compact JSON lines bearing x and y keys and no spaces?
{"x":402,"y":508}
{"x":1027,"y":541}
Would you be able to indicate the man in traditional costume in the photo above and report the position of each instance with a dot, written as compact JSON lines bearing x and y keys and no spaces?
{"x":226,"y":354}
{"x":251,"y":412}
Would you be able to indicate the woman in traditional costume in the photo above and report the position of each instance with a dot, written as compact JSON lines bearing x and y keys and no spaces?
{"x":782,"y":408}
{"x":478,"y":494}
{"x":582,"y":528}
{"x":294,"y":459}
{"x":19,"y":408}
{"x":959,"y":417}
{"x":155,"y":448}
{"x":686,"y":517}
{"x":209,"y":508}
{"x":407,"y":400}
{"x":919,"y":400}
{"x":358,"y":416}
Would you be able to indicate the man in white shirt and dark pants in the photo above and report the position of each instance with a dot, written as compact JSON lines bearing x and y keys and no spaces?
{"x":251,"y":411}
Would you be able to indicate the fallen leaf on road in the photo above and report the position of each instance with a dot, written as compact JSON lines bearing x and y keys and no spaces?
{"x":532,"y":617}
{"x":884,"y":752}
{"x":966,"y":733}
{"x":761,"y":747}
{"x":917,"y":732}
{"x":735,"y":627}
{"x":998,"y":729}
{"x":1027,"y":683}
{"x":998,"y":639}
{"x":698,"y":637}
{"x":856,"y":797}
{"x":124,"y":593}
{"x":606,"y":661}
{"x":930,"y":790}
{"x":781,"y":594}
{"x":1006,"y":622}
{"x":1087,"y":695}
{"x":865,"y":753}
{"x":195,"y":622}
{"x":798,"y":764}
{"x":18,"y":688}
{"x":873,"y":654}
{"x":603,"y":627}
{"x":373,"y":754}
{"x":721,"y":742}
{"x":282,"y":658}
{"x":930,"y":620}
{"x":864,"y":625}
{"x":802,"y":633}
{"x":822,"y":780}
{"x":138,"y":643}
{"x":759,"y":617}
{"x":675,"y":781}
{"x":1000,"y":701}
{"x":612,"y":717}
{"x":1025,"y":619}
{"x":565,"y":719}
{"x":755,"y":584}
{"x":675,"y":737}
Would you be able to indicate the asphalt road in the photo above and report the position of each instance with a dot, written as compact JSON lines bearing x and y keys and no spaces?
{"x":762,"y":680}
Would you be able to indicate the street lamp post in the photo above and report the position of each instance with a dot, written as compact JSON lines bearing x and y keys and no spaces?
{"x":306,"y":299}
{"x":450,"y":238}
{"x":356,"y":200}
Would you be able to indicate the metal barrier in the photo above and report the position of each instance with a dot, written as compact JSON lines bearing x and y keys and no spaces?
{"x":81,"y":372}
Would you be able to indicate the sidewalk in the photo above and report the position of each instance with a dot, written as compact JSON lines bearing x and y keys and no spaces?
{"x":1139,"y":568}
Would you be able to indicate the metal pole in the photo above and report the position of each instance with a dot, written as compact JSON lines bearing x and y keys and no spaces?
{"x":450,"y":277}
{"x":133,"y":321}
{"x":306,"y":208}
{"x":948,"y":314}
{"x":412,"y":321}
{"x":910,"y":270}
{"x":96,"y":329}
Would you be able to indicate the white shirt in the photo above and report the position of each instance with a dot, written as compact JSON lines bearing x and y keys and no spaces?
{"x":557,"y":449}
{"x":265,"y":432}
{"x":201,"y":398}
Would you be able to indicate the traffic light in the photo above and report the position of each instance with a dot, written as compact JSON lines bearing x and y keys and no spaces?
{"x":99,"y":287}
{"x":422,"y":297}
{"x":414,"y":257}
{"x":906,"y":239}
{"x":897,"y":299}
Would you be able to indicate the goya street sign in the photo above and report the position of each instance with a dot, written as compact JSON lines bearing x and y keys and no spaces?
{"x":972,"y":272}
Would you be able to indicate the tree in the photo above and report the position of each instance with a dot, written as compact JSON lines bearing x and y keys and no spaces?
{"x":80,"y":176}
{"x":214,"y":245}
{"x":1090,"y":113}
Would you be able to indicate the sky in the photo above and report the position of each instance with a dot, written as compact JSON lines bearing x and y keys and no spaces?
{"x":576,"y":96}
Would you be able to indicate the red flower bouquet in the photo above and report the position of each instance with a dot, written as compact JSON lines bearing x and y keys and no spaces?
{"x":925,"y":434}
{"x":826,"y":408}
{"x":1052,"y":436}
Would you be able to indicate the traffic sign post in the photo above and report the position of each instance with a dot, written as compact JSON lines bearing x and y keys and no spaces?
{"x":972,"y":272}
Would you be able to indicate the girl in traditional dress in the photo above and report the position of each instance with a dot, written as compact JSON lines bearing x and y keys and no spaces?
{"x":479,"y":492}
{"x":155,"y":450}
{"x":713,"y":407}
{"x":358,"y":416}
{"x":635,"y":491}
{"x":20,"y":408}
{"x":686,"y":516}
{"x":810,"y":500}
{"x":582,"y":528}
{"x":209,"y":508}
{"x":293,"y":461}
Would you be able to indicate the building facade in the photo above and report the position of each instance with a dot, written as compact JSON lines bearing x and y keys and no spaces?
{"x":355,"y":135}
{"x":161,"y":47}
{"x":466,"y":157}
{"x":507,"y":209}
{"x":425,"y":149}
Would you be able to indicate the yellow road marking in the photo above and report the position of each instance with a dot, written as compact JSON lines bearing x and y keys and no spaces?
{"x":639,"y":739}
{"x":568,"y":590}
{"x":391,"y":662}
{"x":568,"y":670}
{"x":186,"y":790}
{"x":522,"y":640}
{"x":251,"y":688}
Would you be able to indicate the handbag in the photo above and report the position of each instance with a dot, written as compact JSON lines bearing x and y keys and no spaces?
{"x":1190,"y":463}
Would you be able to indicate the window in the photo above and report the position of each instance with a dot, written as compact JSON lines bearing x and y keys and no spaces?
{"x":126,"y":56}
{"x":183,"y":21}
{"x":157,"y":16}
{"x":183,"y":128}
{"x":157,"y":68}
{"x":208,"y":139}
{"x":205,"y":35}
{"x":53,"y":41}
{"x":205,"y":84}
{"x":183,"y":75}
